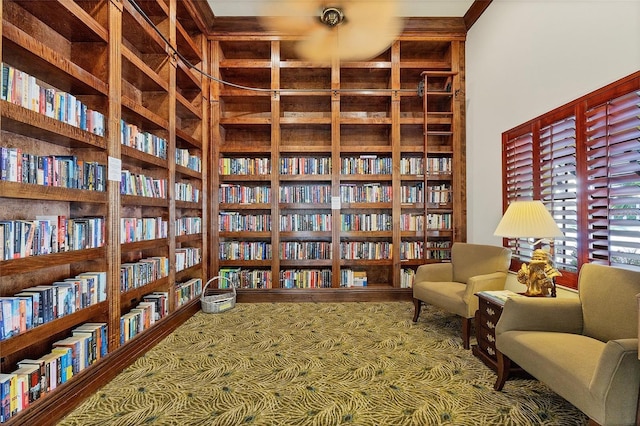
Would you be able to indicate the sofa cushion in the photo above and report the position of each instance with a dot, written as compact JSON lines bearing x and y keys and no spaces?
{"x":565,"y":362}
{"x":446,"y":295}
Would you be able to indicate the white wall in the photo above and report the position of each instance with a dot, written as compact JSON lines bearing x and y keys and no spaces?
{"x":524,"y":58}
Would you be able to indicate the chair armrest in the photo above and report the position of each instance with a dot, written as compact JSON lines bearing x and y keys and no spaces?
{"x":486,"y":282}
{"x":562,"y":315}
{"x":434,"y":272}
{"x":617,"y":374}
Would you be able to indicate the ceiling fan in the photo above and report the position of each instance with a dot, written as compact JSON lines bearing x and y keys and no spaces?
{"x":350,"y":30}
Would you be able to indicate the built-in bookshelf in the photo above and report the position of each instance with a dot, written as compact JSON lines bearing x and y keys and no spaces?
{"x":341,"y":174}
{"x":103,"y":196}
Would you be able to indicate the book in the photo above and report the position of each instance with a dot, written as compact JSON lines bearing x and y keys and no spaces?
{"x":43,"y":384}
{"x":6,"y":380}
{"x":499,"y":296}
{"x":75,"y":344}
{"x":31,"y":373}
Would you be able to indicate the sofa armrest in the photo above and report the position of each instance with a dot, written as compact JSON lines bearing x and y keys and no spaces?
{"x":617,"y":375}
{"x":434,"y":272}
{"x":563,"y":315}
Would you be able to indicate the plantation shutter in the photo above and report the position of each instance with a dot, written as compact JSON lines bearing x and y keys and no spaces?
{"x":519,"y":183}
{"x":558,"y":187}
{"x":613,"y":181}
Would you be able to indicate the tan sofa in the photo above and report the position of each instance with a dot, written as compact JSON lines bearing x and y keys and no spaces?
{"x":452,"y":286}
{"x":585,"y":349}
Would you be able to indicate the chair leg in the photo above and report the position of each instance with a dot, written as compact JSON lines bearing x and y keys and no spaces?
{"x":417,"y":304}
{"x":504,"y":368}
{"x":466,"y":332}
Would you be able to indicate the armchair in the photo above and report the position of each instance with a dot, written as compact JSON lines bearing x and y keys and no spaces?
{"x":452,"y":286}
{"x":585,"y":349}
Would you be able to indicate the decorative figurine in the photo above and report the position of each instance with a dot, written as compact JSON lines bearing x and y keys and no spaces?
{"x":538,"y":276}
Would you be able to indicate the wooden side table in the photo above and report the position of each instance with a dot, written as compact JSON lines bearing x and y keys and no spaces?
{"x":487,"y":317}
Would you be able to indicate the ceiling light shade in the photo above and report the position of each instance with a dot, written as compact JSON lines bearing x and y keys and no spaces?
{"x":527,"y":219}
{"x":349,"y":30}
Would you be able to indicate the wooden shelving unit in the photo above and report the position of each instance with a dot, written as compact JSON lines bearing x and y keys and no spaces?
{"x":281,"y":109}
{"x":110,"y":57}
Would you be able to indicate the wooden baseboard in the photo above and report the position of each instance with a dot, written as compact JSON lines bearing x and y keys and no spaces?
{"x":367,"y":294}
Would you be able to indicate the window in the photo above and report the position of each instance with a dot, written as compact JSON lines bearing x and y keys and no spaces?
{"x":582,"y":161}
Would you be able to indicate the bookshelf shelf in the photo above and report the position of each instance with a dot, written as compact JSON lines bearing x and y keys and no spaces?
{"x":19,"y":120}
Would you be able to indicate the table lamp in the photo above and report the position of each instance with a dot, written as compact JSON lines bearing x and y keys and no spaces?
{"x":531,"y":219}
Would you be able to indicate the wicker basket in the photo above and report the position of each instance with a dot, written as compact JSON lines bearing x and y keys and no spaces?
{"x":217,"y":303}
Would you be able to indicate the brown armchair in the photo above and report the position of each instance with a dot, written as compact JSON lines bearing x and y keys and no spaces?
{"x":452,"y":286}
{"x":585,"y":349}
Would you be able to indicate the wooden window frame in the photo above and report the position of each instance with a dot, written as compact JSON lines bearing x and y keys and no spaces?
{"x":523,"y":165}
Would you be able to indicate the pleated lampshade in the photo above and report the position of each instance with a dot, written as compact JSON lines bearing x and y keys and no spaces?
{"x":527,"y":219}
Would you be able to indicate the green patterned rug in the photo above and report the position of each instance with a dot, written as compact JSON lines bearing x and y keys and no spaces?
{"x":318,"y":364}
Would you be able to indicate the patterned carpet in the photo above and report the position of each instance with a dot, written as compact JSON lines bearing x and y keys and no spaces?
{"x":318,"y":364}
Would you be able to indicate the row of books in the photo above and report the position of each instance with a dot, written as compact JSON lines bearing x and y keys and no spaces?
{"x":439,"y":194}
{"x":189,"y":160}
{"x":439,"y":165}
{"x":366,"y":193}
{"x":368,"y":250}
{"x":407,"y":276}
{"x":161,"y":301}
{"x":434,"y":165}
{"x":134,"y":137}
{"x":34,"y":306}
{"x":245,"y":250}
{"x":305,"y":194}
{"x":439,"y":220}
{"x":242,"y":194}
{"x":351,"y":278}
{"x":142,"y":186}
{"x":237,"y":222}
{"x":188,"y":225}
{"x":413,"y":193}
{"x":186,"y":191}
{"x":143,"y":272}
{"x":35,"y":378}
{"x":246,"y":278}
{"x":437,"y":254}
{"x":295,"y":222}
{"x":137,"y":320}
{"x":64,"y":171}
{"x":303,"y":250}
{"x":187,"y":257}
{"x":410,"y":250}
{"x":25,"y":90}
{"x":188,"y":291}
{"x":305,"y":278}
{"x":49,"y":234}
{"x":365,"y":222}
{"x":305,"y":166}
{"x":440,"y":250}
{"x":366,"y":165}
{"x":411,"y":166}
{"x":412,"y":222}
{"x":244,"y":166}
{"x":134,"y":229}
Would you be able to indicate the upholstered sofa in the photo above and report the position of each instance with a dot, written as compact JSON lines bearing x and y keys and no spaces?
{"x":584,"y":348}
{"x":452,"y":286}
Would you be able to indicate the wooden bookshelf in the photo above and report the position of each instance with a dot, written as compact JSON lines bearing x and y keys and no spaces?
{"x":357,"y":111}
{"x":138,"y":65}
